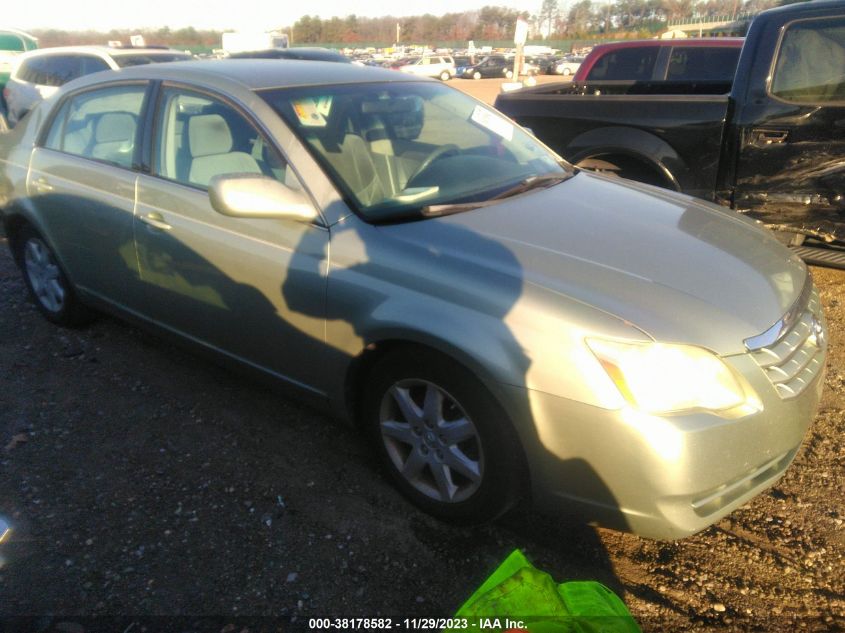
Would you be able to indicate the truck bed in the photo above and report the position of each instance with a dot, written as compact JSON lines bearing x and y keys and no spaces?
{"x":679,"y":137}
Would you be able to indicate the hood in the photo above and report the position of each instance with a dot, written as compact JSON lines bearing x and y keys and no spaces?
{"x":679,"y":269}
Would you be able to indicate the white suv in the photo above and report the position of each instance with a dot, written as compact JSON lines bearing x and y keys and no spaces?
{"x":38,"y":74}
{"x":442,"y":66}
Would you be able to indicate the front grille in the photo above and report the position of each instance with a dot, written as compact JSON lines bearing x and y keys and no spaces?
{"x":796,"y":358}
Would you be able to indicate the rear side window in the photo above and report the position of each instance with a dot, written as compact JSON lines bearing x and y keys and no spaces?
{"x":810,"y":66}
{"x":635,"y":63}
{"x":100,"y":125}
{"x":57,"y":70}
{"x":701,"y":63}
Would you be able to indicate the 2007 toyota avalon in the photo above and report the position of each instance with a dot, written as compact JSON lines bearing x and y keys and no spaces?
{"x":503,"y":326}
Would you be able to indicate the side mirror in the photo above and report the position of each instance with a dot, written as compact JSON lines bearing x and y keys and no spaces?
{"x":258,"y":196}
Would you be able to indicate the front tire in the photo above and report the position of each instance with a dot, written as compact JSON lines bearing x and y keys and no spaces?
{"x":509,"y":74}
{"x":476,"y":75}
{"x":444,"y":440}
{"x":445,"y":76}
{"x":53,"y":294}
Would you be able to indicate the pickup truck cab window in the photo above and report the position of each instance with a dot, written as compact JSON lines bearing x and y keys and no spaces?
{"x":702,"y":63}
{"x":100,"y":125}
{"x":627,"y":63}
{"x":810,"y":66}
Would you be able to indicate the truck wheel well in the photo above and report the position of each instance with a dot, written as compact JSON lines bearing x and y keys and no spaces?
{"x":630,"y":167}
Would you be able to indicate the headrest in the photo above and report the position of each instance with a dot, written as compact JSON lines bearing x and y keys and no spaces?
{"x":208,"y":134}
{"x":114,"y":126}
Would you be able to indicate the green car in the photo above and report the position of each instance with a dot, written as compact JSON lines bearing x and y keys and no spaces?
{"x":12,"y":44}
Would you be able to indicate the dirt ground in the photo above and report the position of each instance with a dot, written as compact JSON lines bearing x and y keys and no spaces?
{"x":142,"y":480}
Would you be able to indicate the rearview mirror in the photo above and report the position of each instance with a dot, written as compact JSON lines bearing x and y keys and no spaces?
{"x":258,"y":196}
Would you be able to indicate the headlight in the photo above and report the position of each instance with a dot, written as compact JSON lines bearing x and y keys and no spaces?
{"x":658,"y":378}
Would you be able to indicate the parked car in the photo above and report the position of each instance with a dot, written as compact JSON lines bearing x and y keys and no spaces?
{"x":490,"y":66}
{"x":397,"y":64}
{"x":707,"y":58}
{"x":462,"y":62}
{"x":302,"y":53}
{"x":544,"y":63}
{"x":767,"y":142}
{"x":437,"y":66}
{"x":499,"y":323}
{"x":568,"y":65}
{"x":38,"y":74}
{"x":12,"y":44}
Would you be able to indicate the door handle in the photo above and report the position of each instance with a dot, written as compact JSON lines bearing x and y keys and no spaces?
{"x":764,"y":138}
{"x":156,"y":220}
{"x":42,"y":186}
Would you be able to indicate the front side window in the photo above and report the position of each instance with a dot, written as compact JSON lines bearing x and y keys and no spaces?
{"x":100,"y":124}
{"x":200,"y":137}
{"x":810,"y":66}
{"x":394,"y":149}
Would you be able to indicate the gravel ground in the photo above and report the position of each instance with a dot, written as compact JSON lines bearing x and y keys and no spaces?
{"x":143,"y":481}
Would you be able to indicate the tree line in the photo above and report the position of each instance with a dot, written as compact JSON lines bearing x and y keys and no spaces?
{"x":490,"y":23}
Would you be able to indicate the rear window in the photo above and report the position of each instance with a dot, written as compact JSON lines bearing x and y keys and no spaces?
{"x":702,"y":63}
{"x":9,"y":42}
{"x":140,"y":59}
{"x":57,"y":70}
{"x":636,"y":63}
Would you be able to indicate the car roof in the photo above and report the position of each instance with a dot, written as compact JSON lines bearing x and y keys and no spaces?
{"x":257,"y":74}
{"x":728,"y":42}
{"x":100,"y":50}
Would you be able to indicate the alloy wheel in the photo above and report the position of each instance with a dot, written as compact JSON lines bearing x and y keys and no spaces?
{"x":431,"y":441}
{"x":44,"y":275}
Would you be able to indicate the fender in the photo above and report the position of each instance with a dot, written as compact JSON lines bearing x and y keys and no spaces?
{"x":633,"y":142}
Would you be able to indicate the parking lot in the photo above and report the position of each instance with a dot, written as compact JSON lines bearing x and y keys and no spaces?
{"x":142,"y":480}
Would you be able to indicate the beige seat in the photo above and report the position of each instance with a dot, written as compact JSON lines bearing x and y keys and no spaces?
{"x":210,"y":144}
{"x":114,"y":138}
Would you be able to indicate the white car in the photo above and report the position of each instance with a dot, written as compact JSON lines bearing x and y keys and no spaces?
{"x":442,"y":66}
{"x":38,"y":74}
{"x":568,"y":66}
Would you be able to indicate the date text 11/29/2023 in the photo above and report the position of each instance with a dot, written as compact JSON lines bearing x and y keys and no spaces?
{"x":415,"y":624}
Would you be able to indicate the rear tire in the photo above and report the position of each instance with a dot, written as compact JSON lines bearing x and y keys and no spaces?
{"x":445,"y":442}
{"x":509,"y":74}
{"x":445,"y":76}
{"x":53,"y":294}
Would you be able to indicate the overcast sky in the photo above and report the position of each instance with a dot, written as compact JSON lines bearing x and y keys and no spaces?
{"x":217,"y":14}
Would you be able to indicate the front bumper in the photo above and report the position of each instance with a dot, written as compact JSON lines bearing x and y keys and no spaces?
{"x":660,"y":477}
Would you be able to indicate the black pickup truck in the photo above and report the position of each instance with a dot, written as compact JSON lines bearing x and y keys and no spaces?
{"x":771,"y":144}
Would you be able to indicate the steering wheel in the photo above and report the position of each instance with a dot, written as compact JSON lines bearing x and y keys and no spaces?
{"x":449,"y":149}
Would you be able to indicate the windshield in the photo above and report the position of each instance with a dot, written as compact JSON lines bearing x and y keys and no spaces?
{"x":395,"y":149}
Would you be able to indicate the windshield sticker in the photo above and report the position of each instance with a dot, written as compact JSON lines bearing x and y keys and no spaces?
{"x":490,"y":121}
{"x":313,"y":112}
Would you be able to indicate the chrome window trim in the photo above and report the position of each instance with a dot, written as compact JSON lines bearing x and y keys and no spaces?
{"x":786,"y":322}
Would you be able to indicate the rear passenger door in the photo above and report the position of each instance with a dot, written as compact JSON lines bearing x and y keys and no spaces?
{"x":82,"y":185}
{"x":220,"y":280}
